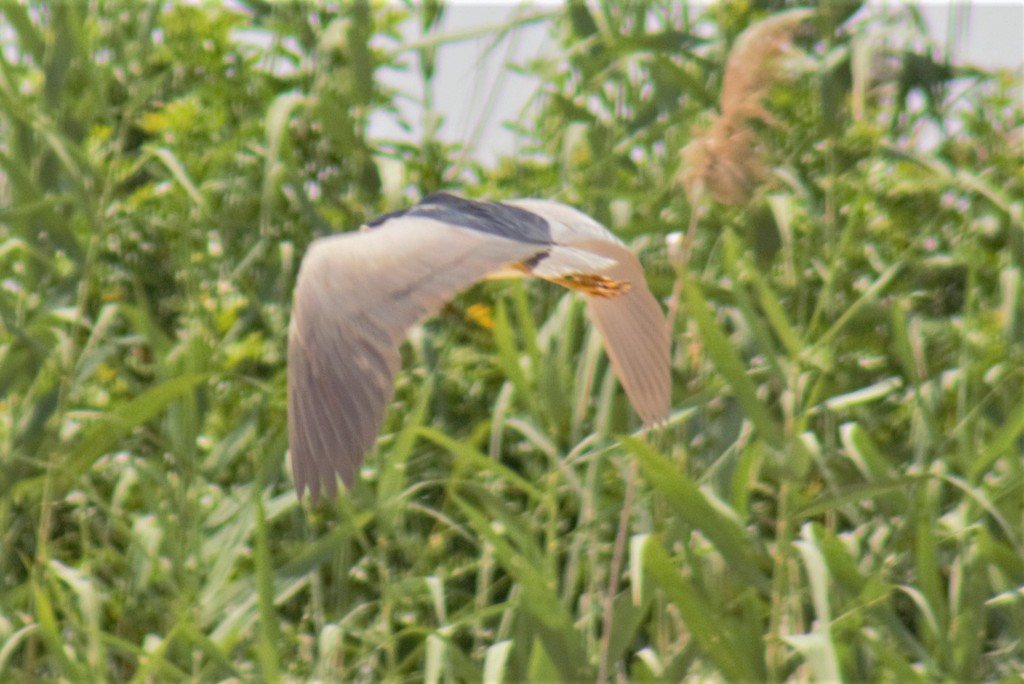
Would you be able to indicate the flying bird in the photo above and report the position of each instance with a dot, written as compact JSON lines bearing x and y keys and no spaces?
{"x":358,"y":293}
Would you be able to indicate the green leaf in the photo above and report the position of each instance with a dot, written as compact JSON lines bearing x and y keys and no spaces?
{"x":495,"y":662}
{"x":817,"y":647}
{"x":180,"y":174}
{"x":559,"y":638}
{"x":392,"y":478}
{"x":472,"y":459}
{"x":731,"y":366}
{"x":870,"y":296}
{"x":737,"y":662}
{"x":1006,"y":440}
{"x":103,"y":436}
{"x":508,"y":357}
{"x":690,"y":503}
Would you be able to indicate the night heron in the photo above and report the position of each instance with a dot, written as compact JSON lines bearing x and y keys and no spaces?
{"x":358,"y":294}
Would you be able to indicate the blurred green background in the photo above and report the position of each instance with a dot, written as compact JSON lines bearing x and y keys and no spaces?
{"x":839,"y":493}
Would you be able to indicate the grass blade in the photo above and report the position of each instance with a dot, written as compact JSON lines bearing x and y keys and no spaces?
{"x":731,"y":366}
{"x":701,"y":618}
{"x":690,"y":503}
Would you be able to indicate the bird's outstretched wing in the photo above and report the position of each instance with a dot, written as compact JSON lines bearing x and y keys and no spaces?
{"x":632,"y":325}
{"x":357,"y":295}
{"x":635,"y":333}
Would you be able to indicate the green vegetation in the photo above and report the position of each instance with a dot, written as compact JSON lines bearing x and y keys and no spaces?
{"x":840,"y":491}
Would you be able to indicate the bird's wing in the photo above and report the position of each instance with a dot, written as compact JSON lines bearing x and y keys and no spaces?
{"x":567,"y":225}
{"x":356,"y":296}
{"x":635,"y":333}
{"x":633,"y":327}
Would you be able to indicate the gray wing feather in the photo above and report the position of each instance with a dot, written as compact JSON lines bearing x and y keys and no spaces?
{"x":562,"y":261}
{"x":568,"y":225}
{"x":632,"y":325}
{"x":357,"y":295}
{"x":635,"y":334}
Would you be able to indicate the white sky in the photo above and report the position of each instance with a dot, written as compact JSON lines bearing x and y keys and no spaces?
{"x":992,"y":33}
{"x":471,"y":83}
{"x":472,"y":86}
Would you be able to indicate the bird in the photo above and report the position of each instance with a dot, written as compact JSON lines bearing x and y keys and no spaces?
{"x":358,"y":293}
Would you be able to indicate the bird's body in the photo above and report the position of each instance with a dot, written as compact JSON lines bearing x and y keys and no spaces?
{"x":358,"y":293}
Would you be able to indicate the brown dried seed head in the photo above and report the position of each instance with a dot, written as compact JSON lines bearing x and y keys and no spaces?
{"x":723,"y":160}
